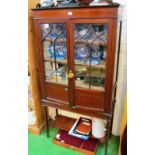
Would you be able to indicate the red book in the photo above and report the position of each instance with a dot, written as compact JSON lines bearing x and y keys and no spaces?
{"x":84,"y":126}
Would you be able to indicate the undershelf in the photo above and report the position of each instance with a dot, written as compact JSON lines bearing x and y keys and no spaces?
{"x":66,"y":123}
{"x":72,"y":145}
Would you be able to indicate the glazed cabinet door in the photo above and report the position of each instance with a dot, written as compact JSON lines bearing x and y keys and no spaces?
{"x":53,"y":60}
{"x":90,"y":42}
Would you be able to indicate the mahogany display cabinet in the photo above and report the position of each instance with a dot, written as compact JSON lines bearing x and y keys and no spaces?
{"x":78,"y":61}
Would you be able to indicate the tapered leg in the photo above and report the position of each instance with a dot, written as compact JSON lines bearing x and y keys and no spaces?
{"x":106,"y":147}
{"x":56,"y":112}
{"x":46,"y":121}
{"x":107,"y":134}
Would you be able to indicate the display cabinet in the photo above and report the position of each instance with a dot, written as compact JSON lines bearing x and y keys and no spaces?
{"x":78,"y":59}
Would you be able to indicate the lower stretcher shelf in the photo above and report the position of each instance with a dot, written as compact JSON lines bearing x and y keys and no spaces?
{"x":89,"y":147}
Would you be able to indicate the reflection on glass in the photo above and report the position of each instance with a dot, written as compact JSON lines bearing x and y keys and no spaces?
{"x":55,"y":53}
{"x":80,"y":75}
{"x":81,"y":52}
{"x":90,"y":55}
{"x":59,"y":51}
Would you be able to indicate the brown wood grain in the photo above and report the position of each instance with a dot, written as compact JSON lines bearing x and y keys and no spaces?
{"x":35,"y":129}
{"x":79,"y":149}
{"x":76,"y":13}
{"x":85,"y":111}
{"x":40,"y":53}
{"x":110,"y":61}
{"x":89,"y":99}
{"x":87,"y":152}
{"x":69,"y":122}
{"x":33,"y":68}
{"x":57,"y":92}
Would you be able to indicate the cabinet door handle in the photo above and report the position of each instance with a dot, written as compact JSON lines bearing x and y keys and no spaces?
{"x":70,"y":74}
{"x":66,"y":89}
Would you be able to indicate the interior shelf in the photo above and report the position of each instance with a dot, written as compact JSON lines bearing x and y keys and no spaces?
{"x":90,"y":42}
{"x":52,"y":40}
{"x":97,"y":42}
{"x":58,"y":61}
{"x":63,"y":82}
{"x":80,"y":63}
{"x":88,"y":147}
{"x":101,"y":65}
{"x":95,"y":76}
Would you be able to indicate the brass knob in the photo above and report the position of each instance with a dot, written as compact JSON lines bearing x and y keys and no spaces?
{"x":70,"y":74}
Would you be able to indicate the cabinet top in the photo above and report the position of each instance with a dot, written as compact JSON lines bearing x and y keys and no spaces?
{"x":111,"y":5}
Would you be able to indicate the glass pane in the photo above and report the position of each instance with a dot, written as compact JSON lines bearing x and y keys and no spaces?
{"x":55,"y":53}
{"x":90,"y":42}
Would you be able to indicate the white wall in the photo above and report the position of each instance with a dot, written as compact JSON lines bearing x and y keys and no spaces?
{"x":122,"y":74}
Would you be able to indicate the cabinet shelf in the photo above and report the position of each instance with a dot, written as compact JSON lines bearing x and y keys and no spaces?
{"x":90,"y":42}
{"x":93,"y":76}
{"x":62,"y":82}
{"x":69,"y":122}
{"x":47,"y":59}
{"x":80,"y":63}
{"x":101,"y":65}
{"x":59,"y":122}
{"x":77,"y":41}
{"x":58,"y":40}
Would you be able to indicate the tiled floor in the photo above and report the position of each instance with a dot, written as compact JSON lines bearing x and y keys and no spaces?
{"x":41,"y":145}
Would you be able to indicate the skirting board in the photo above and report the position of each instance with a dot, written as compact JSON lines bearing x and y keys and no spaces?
{"x":35,"y":130}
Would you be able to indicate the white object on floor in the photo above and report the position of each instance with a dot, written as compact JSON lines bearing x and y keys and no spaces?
{"x":31,"y":118}
{"x":98,"y":127}
{"x":58,"y":136}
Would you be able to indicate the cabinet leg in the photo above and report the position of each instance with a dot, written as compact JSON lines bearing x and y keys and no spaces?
{"x":46,"y":121}
{"x":107,"y":134}
{"x":106,"y":147}
{"x":56,"y":112}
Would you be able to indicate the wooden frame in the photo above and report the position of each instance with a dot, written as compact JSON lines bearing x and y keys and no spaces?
{"x":91,"y":15}
{"x":109,"y":60}
{"x":109,"y":67}
{"x":33,"y":70}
